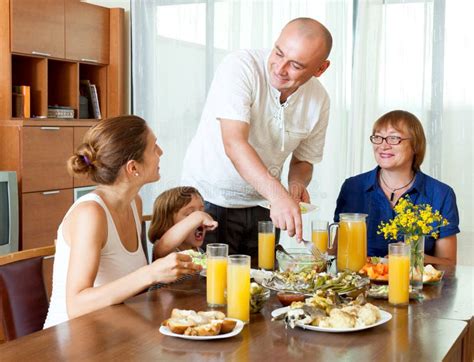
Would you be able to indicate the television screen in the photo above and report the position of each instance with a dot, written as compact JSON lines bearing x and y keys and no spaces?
{"x":4,"y":219}
{"x":8,"y":212}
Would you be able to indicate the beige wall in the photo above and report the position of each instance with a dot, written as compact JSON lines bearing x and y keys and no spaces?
{"x":125,"y":4}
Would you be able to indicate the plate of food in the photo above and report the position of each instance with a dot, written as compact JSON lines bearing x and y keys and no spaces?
{"x":304,"y":207}
{"x":432,"y":276}
{"x":381,"y":292}
{"x":322,"y":313}
{"x":307,"y":283}
{"x":200,"y":326}
{"x":376,"y":269}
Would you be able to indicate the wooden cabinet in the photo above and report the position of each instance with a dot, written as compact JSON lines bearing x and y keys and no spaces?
{"x":50,"y":46}
{"x":39,"y":153}
{"x":45,"y":153}
{"x":54,"y":45}
{"x":42,"y":212}
{"x":87,"y":32}
{"x":37,"y":27}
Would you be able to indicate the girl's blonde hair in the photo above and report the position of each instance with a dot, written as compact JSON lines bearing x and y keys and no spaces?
{"x":166,"y":205}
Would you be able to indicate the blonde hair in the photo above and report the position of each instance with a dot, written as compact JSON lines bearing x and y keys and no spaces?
{"x":108,"y":146}
{"x":165,"y":207}
{"x":403,"y":120}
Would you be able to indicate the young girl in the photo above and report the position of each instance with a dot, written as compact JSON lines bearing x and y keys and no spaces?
{"x":179,"y":222}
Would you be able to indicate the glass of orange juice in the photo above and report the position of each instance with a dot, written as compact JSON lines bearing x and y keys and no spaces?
{"x":216,"y":274}
{"x":398,"y":274}
{"x":238,"y":287}
{"x":266,"y":245}
{"x":319,"y":235}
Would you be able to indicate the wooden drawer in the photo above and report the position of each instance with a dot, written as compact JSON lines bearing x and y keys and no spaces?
{"x":79,"y":133}
{"x":45,"y":153}
{"x":87,"y":32}
{"x":42,"y":212}
{"x":37,"y":27}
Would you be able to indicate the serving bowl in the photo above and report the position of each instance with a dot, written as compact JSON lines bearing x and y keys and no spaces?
{"x":299,"y":260}
{"x":258,"y":297}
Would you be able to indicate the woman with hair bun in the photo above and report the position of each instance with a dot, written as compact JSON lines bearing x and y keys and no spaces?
{"x":99,"y":260}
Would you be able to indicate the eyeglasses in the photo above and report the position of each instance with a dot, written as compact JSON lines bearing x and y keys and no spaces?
{"x":391,"y":140}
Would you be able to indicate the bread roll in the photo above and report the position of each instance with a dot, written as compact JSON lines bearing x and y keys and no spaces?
{"x":210,"y":329}
{"x":212,"y":314}
{"x":228,"y":326}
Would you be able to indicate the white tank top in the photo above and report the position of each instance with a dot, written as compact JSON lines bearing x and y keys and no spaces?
{"x":115,"y":261}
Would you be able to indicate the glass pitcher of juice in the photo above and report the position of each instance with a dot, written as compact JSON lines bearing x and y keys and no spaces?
{"x":351,"y":241}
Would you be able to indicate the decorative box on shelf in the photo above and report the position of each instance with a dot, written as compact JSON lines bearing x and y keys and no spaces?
{"x":60,"y":112}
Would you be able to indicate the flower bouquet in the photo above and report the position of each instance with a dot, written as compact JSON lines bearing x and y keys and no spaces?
{"x":413,"y":222}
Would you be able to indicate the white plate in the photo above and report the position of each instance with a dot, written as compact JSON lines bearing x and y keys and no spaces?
{"x":237,"y":329}
{"x":384,"y":318}
{"x":304,"y":207}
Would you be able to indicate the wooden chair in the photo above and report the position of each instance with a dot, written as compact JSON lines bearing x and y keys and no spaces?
{"x":23,"y":298}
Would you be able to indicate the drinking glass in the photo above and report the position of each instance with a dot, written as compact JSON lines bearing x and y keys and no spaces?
{"x":216,"y":274}
{"x":266,"y":245}
{"x":238,"y":287}
{"x":319,"y":235}
{"x":398,"y":273}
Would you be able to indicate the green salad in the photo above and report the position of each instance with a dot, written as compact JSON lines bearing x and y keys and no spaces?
{"x":197,"y":257}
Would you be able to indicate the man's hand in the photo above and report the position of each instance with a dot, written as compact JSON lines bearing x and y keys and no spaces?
{"x":299,"y":192}
{"x":286,"y":215}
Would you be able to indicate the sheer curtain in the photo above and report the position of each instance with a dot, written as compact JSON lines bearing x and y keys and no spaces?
{"x":177,"y":45}
{"x":400,"y":54}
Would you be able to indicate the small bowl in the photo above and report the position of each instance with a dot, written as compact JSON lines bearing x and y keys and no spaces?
{"x":258,"y":300}
{"x":287,"y":298}
{"x":301,"y":260}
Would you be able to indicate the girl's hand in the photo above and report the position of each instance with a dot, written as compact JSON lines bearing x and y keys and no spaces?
{"x":207,"y":221}
{"x":173,"y":266}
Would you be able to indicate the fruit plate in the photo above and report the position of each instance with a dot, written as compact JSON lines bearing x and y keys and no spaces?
{"x":237,"y":329}
{"x":384,"y":318}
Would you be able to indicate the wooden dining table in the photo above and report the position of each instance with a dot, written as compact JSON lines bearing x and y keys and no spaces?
{"x":439,"y":327}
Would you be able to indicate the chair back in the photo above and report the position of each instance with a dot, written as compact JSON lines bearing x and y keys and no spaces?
{"x":23,"y":298}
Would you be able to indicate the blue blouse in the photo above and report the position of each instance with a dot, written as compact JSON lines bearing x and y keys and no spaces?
{"x":363,"y":194}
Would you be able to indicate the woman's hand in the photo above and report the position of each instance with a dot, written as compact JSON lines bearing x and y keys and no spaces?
{"x":171,"y":267}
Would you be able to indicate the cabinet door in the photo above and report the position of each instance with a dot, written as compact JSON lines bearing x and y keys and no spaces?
{"x":41,"y":215}
{"x":87,"y":32}
{"x":37,"y":27}
{"x":79,"y":133}
{"x":45,"y":154}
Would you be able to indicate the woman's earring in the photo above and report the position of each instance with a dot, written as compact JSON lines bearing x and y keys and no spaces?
{"x":136,"y":173}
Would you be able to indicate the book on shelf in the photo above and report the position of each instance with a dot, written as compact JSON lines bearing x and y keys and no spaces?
{"x":89,"y":90}
{"x":21,"y":99}
{"x":95,"y":102}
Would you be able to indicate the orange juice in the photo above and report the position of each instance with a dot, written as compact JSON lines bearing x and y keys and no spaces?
{"x":216,"y":276}
{"x":238,"y":291}
{"x":266,"y":251}
{"x":320,"y":240}
{"x":398,"y":279}
{"x":351,"y":245}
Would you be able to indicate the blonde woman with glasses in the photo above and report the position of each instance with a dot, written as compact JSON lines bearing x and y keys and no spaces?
{"x":399,"y":146}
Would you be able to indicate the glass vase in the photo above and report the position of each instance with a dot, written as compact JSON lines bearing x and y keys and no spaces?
{"x":417,"y":256}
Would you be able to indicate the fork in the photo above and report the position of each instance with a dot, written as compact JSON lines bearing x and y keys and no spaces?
{"x":315,"y":251}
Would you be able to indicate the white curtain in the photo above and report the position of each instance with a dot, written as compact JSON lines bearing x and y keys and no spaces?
{"x":414,"y":55}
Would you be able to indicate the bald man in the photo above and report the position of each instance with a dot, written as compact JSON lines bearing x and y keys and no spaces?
{"x":262,"y":107}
